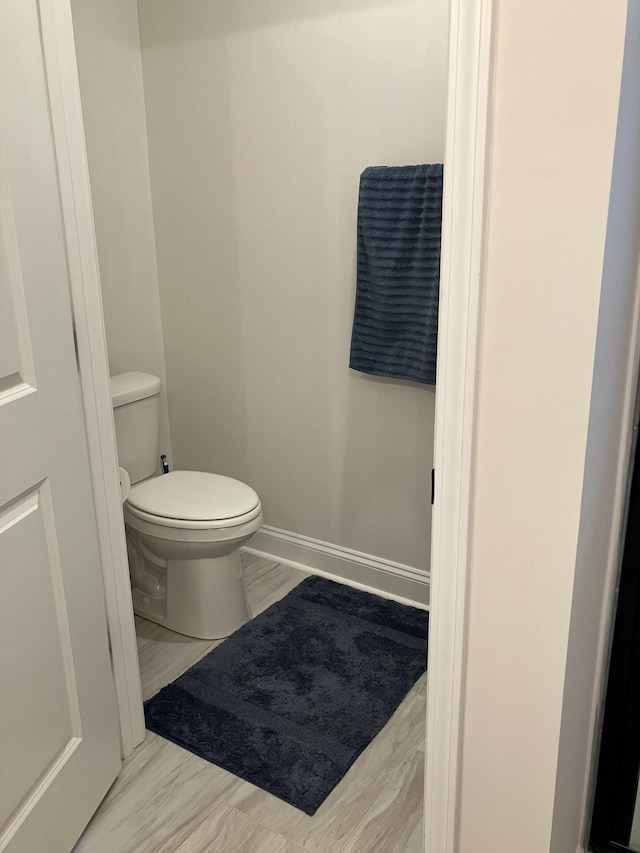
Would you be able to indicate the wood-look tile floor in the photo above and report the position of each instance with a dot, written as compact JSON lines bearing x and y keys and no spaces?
{"x":167,"y":800}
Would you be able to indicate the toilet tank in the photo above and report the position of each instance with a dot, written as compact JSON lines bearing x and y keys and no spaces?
{"x":136,"y":412}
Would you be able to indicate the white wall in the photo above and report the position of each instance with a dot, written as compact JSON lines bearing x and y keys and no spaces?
{"x":110,"y":71}
{"x":261,"y":116}
{"x":537,"y":571}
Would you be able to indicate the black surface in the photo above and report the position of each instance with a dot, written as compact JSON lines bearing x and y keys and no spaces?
{"x":291,"y":699}
{"x":619,"y":761}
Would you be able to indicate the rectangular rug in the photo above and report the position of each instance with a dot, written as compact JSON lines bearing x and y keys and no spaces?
{"x":291,"y":699}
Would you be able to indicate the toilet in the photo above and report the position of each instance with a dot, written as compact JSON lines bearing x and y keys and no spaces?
{"x":183,"y":528}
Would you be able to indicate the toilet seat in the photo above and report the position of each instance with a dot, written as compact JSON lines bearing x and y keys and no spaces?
{"x":194,"y":500}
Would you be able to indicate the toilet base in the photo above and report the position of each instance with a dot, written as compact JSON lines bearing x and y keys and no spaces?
{"x":201,"y":598}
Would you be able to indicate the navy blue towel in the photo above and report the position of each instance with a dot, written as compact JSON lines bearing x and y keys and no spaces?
{"x":395,"y":324}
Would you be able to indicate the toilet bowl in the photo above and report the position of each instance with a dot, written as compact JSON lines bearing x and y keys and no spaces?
{"x":183,"y":528}
{"x":183,"y":533}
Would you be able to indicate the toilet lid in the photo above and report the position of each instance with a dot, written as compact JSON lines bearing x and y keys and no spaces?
{"x":194,"y":496}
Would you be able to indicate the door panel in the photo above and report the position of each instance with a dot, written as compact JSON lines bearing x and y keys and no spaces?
{"x":16,"y":357}
{"x":33,"y":604}
{"x":59,"y":738}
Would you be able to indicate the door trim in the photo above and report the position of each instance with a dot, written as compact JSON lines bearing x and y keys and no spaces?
{"x":75,"y":191}
{"x":460,"y":314}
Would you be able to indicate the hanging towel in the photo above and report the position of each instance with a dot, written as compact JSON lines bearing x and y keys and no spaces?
{"x":395,"y":324}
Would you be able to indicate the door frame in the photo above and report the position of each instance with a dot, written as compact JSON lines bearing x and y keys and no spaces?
{"x":459,"y":325}
{"x":470,"y":42}
{"x":75,"y":192}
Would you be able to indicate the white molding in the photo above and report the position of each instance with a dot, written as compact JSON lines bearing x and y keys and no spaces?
{"x":68,"y":129}
{"x":364,"y":571}
{"x":458,"y":331}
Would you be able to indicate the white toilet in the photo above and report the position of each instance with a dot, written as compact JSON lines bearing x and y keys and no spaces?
{"x":183,"y":528}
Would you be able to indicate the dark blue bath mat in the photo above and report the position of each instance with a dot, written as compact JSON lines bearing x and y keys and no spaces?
{"x":290,"y":700}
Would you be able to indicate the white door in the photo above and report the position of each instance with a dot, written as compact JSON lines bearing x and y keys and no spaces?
{"x":59,"y":742}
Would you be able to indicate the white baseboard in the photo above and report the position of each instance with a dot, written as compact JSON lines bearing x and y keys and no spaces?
{"x":374,"y":574}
